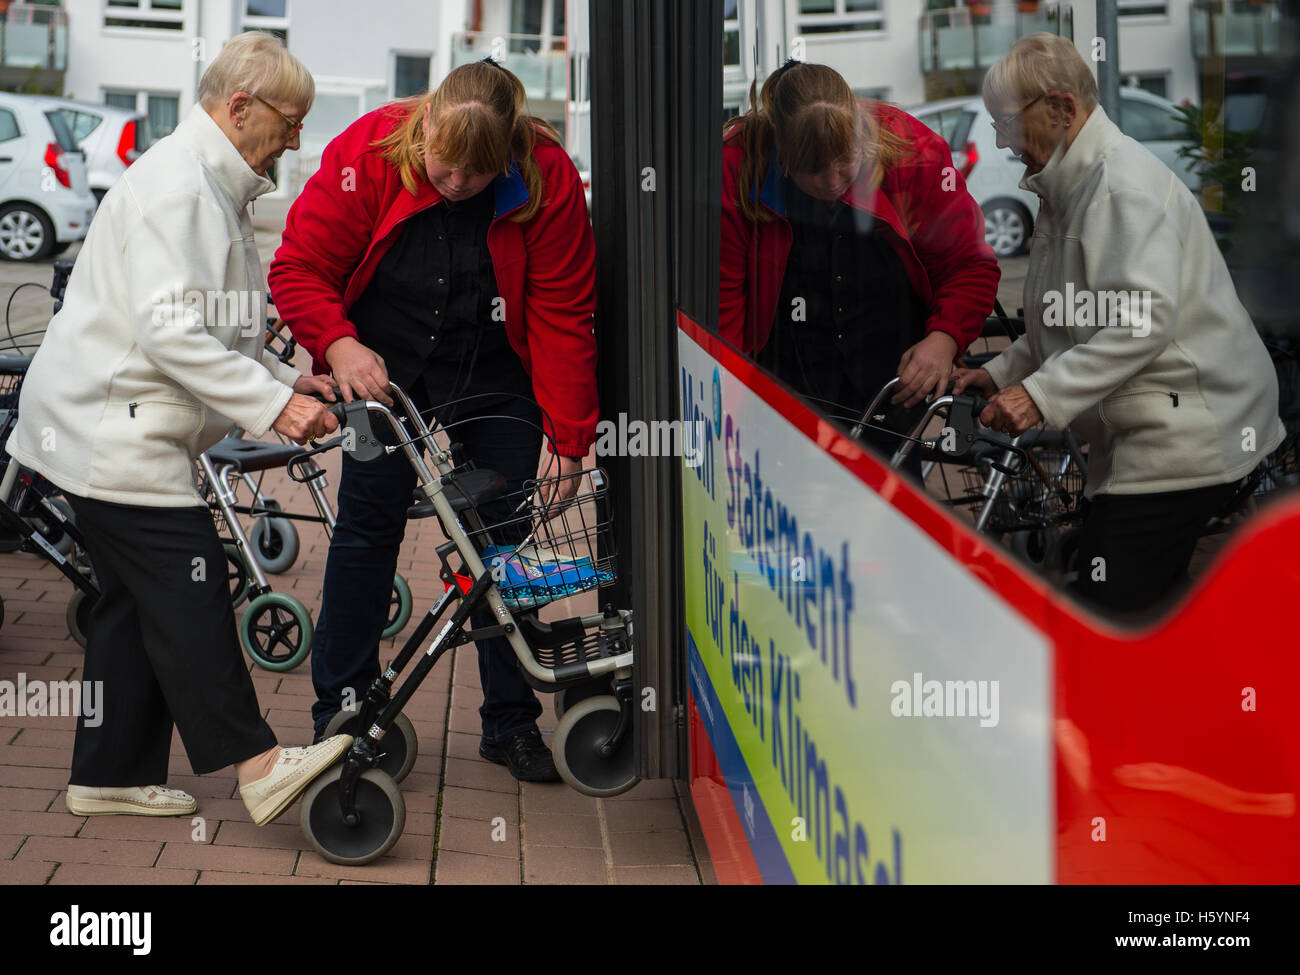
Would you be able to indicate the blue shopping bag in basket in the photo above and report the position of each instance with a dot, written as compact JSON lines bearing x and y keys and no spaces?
{"x":532,"y":576}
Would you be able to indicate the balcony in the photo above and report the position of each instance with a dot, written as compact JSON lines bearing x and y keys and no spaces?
{"x":33,"y":47}
{"x":539,"y":62}
{"x":1236,"y":29}
{"x":971,"y":38}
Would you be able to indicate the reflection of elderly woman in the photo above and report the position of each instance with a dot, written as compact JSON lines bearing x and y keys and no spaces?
{"x":145,"y":367}
{"x":1171,"y":385}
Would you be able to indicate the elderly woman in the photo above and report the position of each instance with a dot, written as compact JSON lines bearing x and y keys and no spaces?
{"x":1134,"y":334}
{"x":458,"y":262}
{"x":147,"y":365}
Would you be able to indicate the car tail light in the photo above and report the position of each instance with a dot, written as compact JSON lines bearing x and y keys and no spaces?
{"x":54,"y":159}
{"x":126,"y":150}
{"x":966,"y":160}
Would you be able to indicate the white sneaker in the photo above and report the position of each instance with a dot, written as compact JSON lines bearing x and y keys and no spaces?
{"x":295,"y":769}
{"x":134,"y":800}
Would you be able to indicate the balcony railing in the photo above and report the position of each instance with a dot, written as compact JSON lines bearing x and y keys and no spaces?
{"x":976,"y":35}
{"x":543,"y":72}
{"x":1239,"y":28}
{"x":33,"y":36}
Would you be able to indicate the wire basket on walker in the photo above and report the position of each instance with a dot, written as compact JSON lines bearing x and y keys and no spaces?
{"x":511,"y":553}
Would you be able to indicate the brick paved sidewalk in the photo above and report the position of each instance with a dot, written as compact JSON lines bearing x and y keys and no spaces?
{"x":552,"y":835}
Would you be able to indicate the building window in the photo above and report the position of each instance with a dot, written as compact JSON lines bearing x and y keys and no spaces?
{"x":164,"y":113}
{"x":1157,"y":84}
{"x":730,"y":34}
{"x":410,"y":74}
{"x":145,"y":14}
{"x":833,"y":16}
{"x":1142,"y":8}
{"x":121,"y":99}
{"x":162,"y":109}
{"x":268,"y":16}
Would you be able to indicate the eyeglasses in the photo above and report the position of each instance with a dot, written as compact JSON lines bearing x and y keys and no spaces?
{"x":294,"y":127}
{"x":1001,"y":124}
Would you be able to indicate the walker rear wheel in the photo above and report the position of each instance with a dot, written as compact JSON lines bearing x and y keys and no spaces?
{"x":399,"y":608}
{"x":236,"y":573}
{"x":78,"y":616}
{"x":274,"y":543}
{"x":578,"y":738}
{"x":398,"y":748}
{"x":568,"y":697}
{"x":380,"y":808}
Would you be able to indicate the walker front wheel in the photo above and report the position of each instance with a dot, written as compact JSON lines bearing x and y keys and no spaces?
{"x":276,"y":631}
{"x":398,"y":748}
{"x":579,"y":736}
{"x":381,"y":817}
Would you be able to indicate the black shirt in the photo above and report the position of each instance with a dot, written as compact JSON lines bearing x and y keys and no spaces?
{"x":847,"y":310}
{"x":431,"y":310}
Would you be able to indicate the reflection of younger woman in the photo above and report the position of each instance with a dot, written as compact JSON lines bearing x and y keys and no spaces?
{"x":851,"y":251}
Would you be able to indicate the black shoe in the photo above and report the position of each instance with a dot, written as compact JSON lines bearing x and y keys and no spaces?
{"x":525,"y":755}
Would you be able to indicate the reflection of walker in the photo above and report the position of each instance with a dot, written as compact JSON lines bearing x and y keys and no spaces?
{"x":541,"y":551}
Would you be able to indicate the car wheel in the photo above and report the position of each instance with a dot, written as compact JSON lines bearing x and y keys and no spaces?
{"x":1007,"y":227}
{"x":26,"y":233}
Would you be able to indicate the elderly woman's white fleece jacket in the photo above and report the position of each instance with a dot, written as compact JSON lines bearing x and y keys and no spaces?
{"x":1181,"y":393}
{"x":159,"y":345}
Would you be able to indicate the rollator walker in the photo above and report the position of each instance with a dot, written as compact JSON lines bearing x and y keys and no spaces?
{"x":545,"y":548}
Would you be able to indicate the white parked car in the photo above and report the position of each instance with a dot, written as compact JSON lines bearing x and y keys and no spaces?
{"x":993,"y":175}
{"x":111,"y":138}
{"x":45,"y":200}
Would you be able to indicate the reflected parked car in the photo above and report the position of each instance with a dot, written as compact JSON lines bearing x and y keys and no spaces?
{"x":45,"y":201}
{"x":993,"y":175}
{"x":111,"y":138}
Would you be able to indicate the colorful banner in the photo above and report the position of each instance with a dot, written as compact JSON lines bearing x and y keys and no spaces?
{"x":878,"y":714}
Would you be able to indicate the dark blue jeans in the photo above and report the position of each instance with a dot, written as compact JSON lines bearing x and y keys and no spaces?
{"x":372,"y":502}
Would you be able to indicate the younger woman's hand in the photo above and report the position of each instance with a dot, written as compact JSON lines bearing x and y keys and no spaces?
{"x":924,"y":368}
{"x":359,"y":371}
{"x":562,"y":483}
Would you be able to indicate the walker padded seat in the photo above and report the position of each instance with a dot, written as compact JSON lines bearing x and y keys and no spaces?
{"x":248,"y":456}
{"x":466,"y":490}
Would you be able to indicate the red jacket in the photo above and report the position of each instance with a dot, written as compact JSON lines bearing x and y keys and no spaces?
{"x":349,"y":213}
{"x":938,"y":233}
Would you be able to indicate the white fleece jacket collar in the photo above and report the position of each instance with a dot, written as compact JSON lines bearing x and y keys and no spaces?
{"x":1056,"y":180}
{"x":215,"y":150}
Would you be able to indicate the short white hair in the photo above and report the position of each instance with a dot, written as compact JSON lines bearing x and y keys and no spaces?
{"x":258,"y":63}
{"x":1037,"y":64}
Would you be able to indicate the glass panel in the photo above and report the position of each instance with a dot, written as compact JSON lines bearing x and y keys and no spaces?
{"x":82,"y":123}
{"x":121,"y":99}
{"x":8,"y":126}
